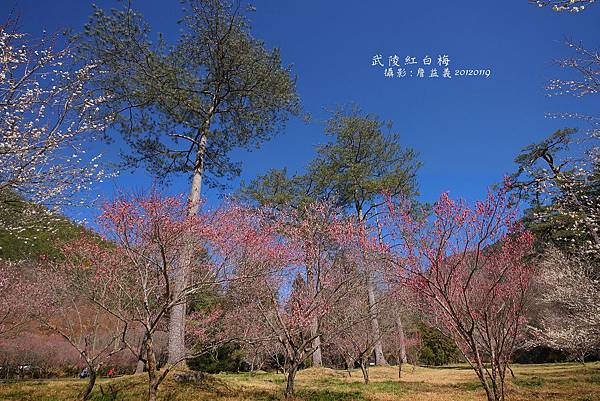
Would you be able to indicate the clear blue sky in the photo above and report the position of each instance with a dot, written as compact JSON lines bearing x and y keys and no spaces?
{"x":467,"y":130}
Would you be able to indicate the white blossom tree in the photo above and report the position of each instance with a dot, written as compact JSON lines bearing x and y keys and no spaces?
{"x":569,"y":293}
{"x":559,"y":176}
{"x":48,"y":118}
{"x":573,"y":6}
{"x":585,"y":62}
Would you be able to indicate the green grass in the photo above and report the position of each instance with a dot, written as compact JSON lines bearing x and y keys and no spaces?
{"x":330,"y":395}
{"x":554,"y":382}
{"x":532,"y":381}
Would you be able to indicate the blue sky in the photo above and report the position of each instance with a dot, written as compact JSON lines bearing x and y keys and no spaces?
{"x":467,"y":130}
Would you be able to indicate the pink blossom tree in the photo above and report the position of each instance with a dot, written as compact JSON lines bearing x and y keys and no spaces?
{"x":292,"y":292}
{"x":69,"y":312}
{"x":402,"y":338}
{"x":468,"y":264}
{"x":47,"y":354}
{"x":348,"y":326}
{"x":147,"y":234}
{"x":19,"y":296}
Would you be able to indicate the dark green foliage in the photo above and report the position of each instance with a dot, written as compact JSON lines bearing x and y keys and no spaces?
{"x":204,"y":301}
{"x":558,"y":179}
{"x":554,"y":228}
{"x":540,"y":355}
{"x":363,"y":160}
{"x":40,"y":230}
{"x":437,"y":348}
{"x":182,"y":108}
{"x":558,"y":142}
{"x":226,"y":358}
{"x":278,"y":190}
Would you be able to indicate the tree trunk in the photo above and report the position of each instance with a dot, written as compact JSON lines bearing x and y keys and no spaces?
{"x":498,"y":388}
{"x":317,"y":356}
{"x":399,"y":368}
{"x":379,"y":356}
{"x":349,"y":366}
{"x":502,"y":378}
{"x":90,"y":385}
{"x":177,"y":324}
{"x":291,"y":377}
{"x":400,"y":328}
{"x":140,"y":363}
{"x":153,"y":379}
{"x":313,"y":284}
{"x":152,"y":393}
{"x":378,"y":348}
{"x":364,"y":368}
{"x":176,"y":345}
{"x":139,"y":368}
{"x":480,"y":371}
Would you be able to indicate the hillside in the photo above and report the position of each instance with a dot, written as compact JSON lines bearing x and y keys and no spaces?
{"x":28,"y":232}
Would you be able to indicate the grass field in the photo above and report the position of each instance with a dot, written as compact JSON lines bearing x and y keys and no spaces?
{"x":532,"y":382}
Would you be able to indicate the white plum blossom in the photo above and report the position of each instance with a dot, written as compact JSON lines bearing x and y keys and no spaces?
{"x":569,"y":294}
{"x":48,"y":114}
{"x":573,"y":6}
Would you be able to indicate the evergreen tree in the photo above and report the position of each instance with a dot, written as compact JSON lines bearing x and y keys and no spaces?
{"x":184,"y":107}
{"x":363,"y":160}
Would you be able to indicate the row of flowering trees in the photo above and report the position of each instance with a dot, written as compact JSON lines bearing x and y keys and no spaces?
{"x":287,"y":279}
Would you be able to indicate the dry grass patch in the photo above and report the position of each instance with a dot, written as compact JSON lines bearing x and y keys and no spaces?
{"x":564,"y":382}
